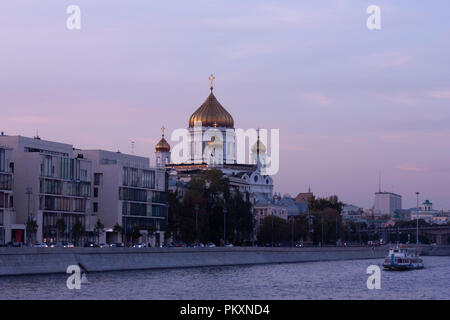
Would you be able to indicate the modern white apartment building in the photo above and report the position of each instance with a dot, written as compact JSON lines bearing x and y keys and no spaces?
{"x":51,"y":182}
{"x":128,"y":193}
{"x":9,"y":231}
{"x":387,"y":203}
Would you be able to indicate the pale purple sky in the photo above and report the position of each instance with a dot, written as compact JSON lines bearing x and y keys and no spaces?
{"x":349,"y":102}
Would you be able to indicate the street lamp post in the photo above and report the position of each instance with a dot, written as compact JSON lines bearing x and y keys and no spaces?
{"x":196,"y":222}
{"x":29,"y":192}
{"x":272,"y":228}
{"x":417,"y":219}
{"x":321,"y":244}
{"x":224,"y":226}
{"x":336,"y":228}
{"x":292,"y":230}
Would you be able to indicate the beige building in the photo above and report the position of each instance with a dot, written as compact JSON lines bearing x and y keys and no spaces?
{"x":9,"y":230}
{"x":127,"y":192}
{"x":51,"y":182}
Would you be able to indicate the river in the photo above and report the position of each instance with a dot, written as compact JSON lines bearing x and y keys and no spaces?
{"x":311,"y":280}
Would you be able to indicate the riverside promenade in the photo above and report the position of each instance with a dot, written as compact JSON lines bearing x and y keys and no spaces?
{"x":22,"y":261}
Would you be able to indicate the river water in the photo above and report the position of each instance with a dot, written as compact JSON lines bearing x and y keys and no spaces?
{"x":312,"y":280}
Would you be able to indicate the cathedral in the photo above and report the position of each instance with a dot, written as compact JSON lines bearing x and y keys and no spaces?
{"x":213,"y":145}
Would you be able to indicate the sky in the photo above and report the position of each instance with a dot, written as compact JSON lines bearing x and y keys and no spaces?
{"x":351,"y":103}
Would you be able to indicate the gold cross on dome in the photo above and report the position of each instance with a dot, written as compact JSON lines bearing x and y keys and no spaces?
{"x":211,"y":78}
{"x":162,"y":129}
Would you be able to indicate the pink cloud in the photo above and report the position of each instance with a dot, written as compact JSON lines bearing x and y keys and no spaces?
{"x":317,"y":98}
{"x":400,"y":99}
{"x":410,"y":167}
{"x":389,"y":60}
{"x":441,"y":94}
{"x":397,"y":137}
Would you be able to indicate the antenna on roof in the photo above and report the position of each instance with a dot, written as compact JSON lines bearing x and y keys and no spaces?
{"x":379,"y":181}
{"x":37,"y":135}
{"x":132,"y":147}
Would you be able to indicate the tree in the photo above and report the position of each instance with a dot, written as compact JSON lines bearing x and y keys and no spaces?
{"x":60,"y":228}
{"x":211,"y":192}
{"x":151,"y":230}
{"x":327,"y":220}
{"x":299,"y":228}
{"x":173,"y":214}
{"x":31,"y":228}
{"x":279,"y":233}
{"x":135,"y":234}
{"x":240,"y":220}
{"x":99,"y":228}
{"x":119,"y":230}
{"x":78,"y":231}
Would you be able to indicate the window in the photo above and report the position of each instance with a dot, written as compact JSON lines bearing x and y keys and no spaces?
{"x":64,"y":168}
{"x":48,"y":167}
{"x":95,"y":206}
{"x":2,"y":160}
{"x":148,"y":179}
{"x":97,"y":178}
{"x":134,"y":178}
{"x":125,"y":176}
{"x":95,"y":192}
{"x":157,"y":211}
{"x":130,"y":194}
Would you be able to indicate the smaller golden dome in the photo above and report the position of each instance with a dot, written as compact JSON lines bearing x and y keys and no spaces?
{"x":162,"y":145}
{"x":262,"y":147}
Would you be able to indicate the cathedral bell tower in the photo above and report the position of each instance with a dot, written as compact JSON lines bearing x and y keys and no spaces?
{"x":258,"y":154}
{"x":162,"y":151}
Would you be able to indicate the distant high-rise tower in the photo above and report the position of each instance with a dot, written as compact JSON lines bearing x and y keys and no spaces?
{"x":387,"y":202}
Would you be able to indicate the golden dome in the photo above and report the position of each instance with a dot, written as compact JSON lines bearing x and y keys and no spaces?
{"x":212,"y":114}
{"x":162,"y":145}
{"x":262,"y":147}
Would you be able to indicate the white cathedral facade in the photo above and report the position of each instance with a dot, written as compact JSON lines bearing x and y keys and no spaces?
{"x":213,"y":145}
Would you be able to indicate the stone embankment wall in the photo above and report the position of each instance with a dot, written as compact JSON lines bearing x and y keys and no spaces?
{"x":19,"y":261}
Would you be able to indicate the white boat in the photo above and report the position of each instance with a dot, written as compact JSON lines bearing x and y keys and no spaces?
{"x":403,"y":258}
{"x":84,"y":279}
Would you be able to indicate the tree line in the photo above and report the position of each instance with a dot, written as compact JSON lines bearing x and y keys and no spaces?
{"x":210,"y":211}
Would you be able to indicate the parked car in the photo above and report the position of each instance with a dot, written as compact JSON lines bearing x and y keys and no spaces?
{"x":373,"y":243}
{"x":66,"y":244}
{"x":103,"y":245}
{"x":229,"y":245}
{"x":40,"y":245}
{"x":117,"y":245}
{"x":211,"y":245}
{"x":178,"y":244}
{"x":140,"y":245}
{"x":299,"y":245}
{"x":14,"y":244}
{"x":90,"y":244}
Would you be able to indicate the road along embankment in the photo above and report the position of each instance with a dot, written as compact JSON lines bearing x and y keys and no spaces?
{"x":20,"y":261}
